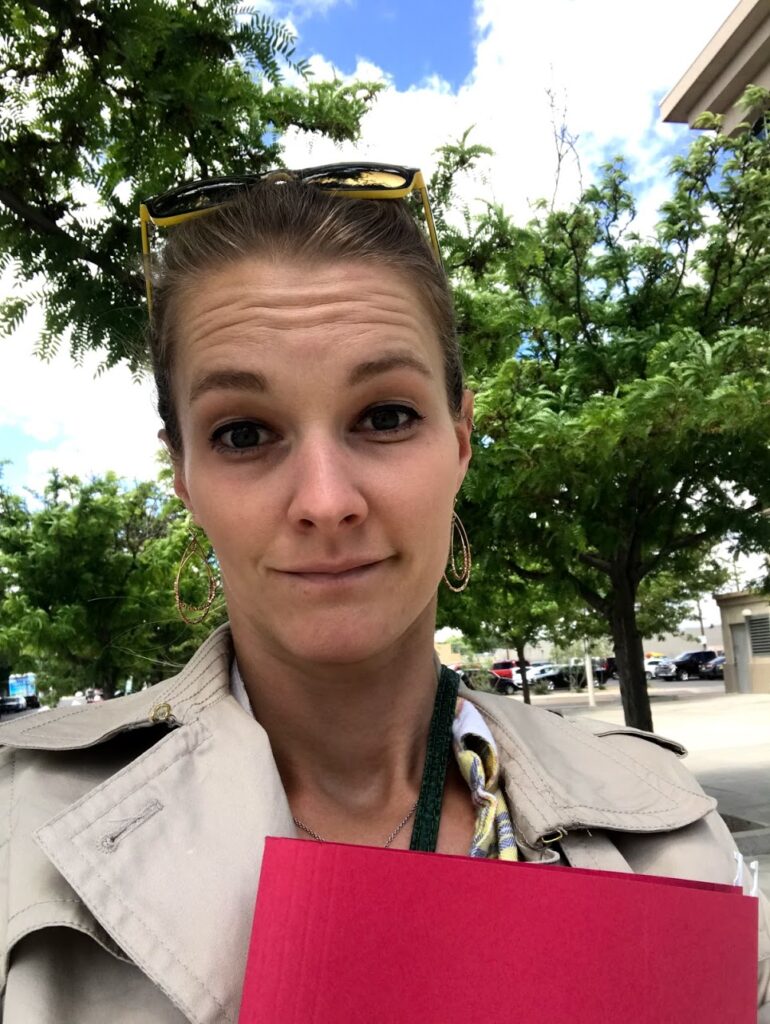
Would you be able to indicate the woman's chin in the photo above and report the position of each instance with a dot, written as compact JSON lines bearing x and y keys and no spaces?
{"x":336,"y":649}
{"x":341,"y":639}
{"x":335,"y":635}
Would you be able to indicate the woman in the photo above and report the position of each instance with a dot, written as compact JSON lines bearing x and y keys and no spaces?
{"x":310,"y":386}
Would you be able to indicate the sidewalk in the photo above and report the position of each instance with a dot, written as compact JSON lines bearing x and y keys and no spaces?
{"x":728,"y":741}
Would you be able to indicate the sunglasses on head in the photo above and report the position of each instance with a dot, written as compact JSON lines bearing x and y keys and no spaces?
{"x":354,"y":181}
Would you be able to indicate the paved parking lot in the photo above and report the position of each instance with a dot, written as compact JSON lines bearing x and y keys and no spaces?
{"x":659,"y":690}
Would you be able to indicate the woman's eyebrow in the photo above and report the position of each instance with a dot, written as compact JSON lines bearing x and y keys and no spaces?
{"x":228,"y":380}
{"x":389,"y":361}
{"x":251,"y":380}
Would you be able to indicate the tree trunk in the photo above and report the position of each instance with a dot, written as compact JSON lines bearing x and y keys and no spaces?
{"x":523,"y":671}
{"x":5,"y":674}
{"x":107,"y":685}
{"x":630,"y":657}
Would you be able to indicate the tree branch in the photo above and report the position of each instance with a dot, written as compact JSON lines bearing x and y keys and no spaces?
{"x":534,"y":575}
{"x":596,"y":601}
{"x":689,"y":540}
{"x":39,"y":221}
{"x":594,"y":561}
{"x":578,"y":288}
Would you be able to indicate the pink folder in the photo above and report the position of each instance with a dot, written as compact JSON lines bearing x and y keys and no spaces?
{"x":354,"y":934}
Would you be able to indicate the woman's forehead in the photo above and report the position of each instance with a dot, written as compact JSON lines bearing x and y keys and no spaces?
{"x":284,"y":314}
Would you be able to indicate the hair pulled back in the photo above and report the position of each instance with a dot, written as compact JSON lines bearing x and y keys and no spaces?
{"x":291,"y":220}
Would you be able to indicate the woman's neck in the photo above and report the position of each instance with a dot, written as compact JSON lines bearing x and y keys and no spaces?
{"x":349,"y":740}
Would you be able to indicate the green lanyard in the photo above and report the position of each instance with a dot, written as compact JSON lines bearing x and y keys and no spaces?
{"x":428,"y":814}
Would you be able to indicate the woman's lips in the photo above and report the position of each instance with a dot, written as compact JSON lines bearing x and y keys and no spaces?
{"x":334,"y":576}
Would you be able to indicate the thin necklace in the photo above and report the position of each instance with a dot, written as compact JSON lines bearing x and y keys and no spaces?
{"x":386,"y":844}
{"x":428,"y":806}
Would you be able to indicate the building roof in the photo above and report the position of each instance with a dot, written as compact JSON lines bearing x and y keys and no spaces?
{"x":737,"y":55}
{"x":746,"y":597}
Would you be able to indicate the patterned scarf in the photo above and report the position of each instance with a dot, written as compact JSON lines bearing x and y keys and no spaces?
{"x":476,"y":754}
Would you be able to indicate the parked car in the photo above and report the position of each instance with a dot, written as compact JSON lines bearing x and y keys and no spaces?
{"x":608,"y":665}
{"x":505,"y":669}
{"x":574,"y":673}
{"x":603,"y":669}
{"x":498,"y":684}
{"x":685,"y":666}
{"x":11,"y":704}
{"x":651,"y":664}
{"x":486,"y":681}
{"x":546,"y":674}
{"x":714,"y":669}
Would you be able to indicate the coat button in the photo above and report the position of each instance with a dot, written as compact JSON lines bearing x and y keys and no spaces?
{"x":162,"y":713}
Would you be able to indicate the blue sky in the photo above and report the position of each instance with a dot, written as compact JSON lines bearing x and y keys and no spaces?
{"x":411,"y":41}
{"x":15,"y":445}
{"x":448,"y":64}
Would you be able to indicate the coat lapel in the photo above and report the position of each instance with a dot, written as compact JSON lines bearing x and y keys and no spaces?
{"x":560,"y":775}
{"x":166,"y":854}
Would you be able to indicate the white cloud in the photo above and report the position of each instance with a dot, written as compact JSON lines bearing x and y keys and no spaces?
{"x":611,"y":63}
{"x":86,"y":423}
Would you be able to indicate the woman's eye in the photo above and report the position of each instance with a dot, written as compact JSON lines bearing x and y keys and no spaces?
{"x":240,"y":436}
{"x":389,"y":419}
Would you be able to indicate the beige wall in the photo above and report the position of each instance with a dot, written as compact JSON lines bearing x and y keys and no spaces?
{"x":732,"y":607}
{"x":446,"y":655}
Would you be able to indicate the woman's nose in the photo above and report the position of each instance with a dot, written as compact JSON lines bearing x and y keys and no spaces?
{"x":324,"y":489}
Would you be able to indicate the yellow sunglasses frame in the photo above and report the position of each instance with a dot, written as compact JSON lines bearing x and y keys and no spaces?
{"x":416,"y":184}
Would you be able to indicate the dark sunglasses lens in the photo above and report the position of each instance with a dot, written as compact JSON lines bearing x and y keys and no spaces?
{"x":199,"y":195}
{"x":359,"y":177}
{"x":203,"y":195}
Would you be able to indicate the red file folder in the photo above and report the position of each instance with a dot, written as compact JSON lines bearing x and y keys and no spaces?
{"x":355,"y":935}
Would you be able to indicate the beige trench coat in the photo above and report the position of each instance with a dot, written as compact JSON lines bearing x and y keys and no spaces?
{"x":134,"y":834}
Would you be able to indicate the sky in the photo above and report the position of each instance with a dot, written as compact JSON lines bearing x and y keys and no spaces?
{"x":448,"y":65}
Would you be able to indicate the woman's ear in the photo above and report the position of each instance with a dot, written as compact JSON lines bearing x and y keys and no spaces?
{"x":464,"y":429}
{"x":180,"y":484}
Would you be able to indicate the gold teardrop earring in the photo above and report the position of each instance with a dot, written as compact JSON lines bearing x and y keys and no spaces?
{"x":199,"y":612}
{"x":460,"y":574}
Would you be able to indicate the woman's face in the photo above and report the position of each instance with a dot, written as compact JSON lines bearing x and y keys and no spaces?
{"x":319,"y":452}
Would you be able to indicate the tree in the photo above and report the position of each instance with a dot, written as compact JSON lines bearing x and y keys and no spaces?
{"x":499,"y":609}
{"x":88,"y":599}
{"x":623,"y":383}
{"x":12,"y":656}
{"x":104,"y":102}
{"x":665,"y":598}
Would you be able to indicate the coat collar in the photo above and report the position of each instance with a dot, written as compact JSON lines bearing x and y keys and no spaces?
{"x":166,"y":853}
{"x":559,"y":774}
{"x":176,"y":701}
